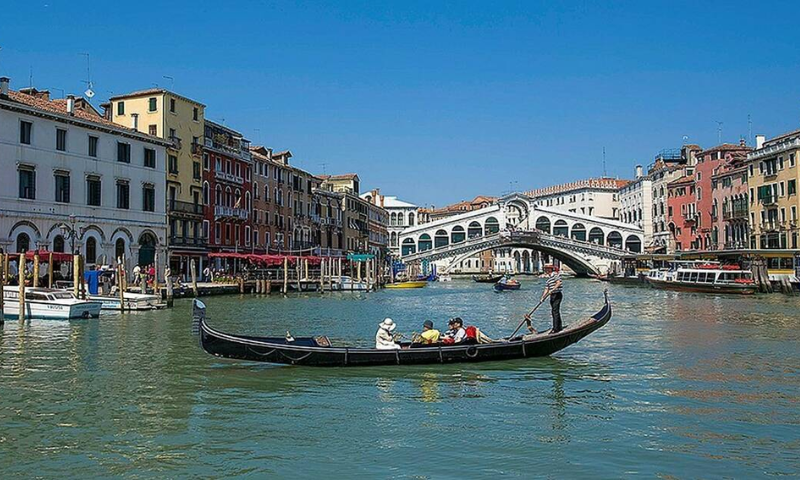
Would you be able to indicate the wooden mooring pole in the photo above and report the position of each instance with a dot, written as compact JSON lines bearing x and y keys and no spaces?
{"x":50,"y":270}
{"x":121,"y":285}
{"x":193,"y":270}
{"x":76,"y":275}
{"x":2,"y":287}
{"x":35,"y":268}
{"x":285,"y":275}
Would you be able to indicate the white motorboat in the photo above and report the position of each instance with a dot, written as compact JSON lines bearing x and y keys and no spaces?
{"x":48,"y":303}
{"x":444,"y":277}
{"x":348,"y":283}
{"x":133,"y":301}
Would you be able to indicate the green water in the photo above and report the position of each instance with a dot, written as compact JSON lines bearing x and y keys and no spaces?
{"x":676,"y":385}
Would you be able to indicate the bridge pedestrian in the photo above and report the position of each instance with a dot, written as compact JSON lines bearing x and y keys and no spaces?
{"x":553,"y":287}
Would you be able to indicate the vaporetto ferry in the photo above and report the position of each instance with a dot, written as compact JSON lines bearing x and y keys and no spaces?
{"x":703,"y":277}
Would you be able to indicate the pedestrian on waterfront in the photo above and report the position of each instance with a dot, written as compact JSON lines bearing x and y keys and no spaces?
{"x":553,"y":287}
{"x":429,"y":334}
{"x":384,"y":339}
{"x":206,"y":275}
{"x":151,"y":273}
{"x":137,"y":270}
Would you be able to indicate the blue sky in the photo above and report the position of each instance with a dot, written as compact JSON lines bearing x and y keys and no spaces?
{"x":436,"y":101}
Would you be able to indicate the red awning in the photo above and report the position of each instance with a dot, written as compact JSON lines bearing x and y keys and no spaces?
{"x":267,"y":260}
{"x":44,"y":255}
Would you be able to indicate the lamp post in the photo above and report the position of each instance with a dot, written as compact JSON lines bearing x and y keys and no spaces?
{"x":69,"y":232}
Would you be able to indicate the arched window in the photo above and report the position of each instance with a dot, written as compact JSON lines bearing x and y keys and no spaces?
{"x":411,"y":219}
{"x":206,"y":193}
{"x":440,"y":239}
{"x":614,"y":239}
{"x":394,"y":239}
{"x":425,"y":242}
{"x":491,"y":226}
{"x":218,"y":196}
{"x":633,"y":244}
{"x":596,"y":236}
{"x":238,"y":203}
{"x":401,"y":219}
{"x":560,"y":228}
{"x":579,"y":232}
{"x":457,"y":235}
{"x":543,"y":224}
{"x":247,"y":203}
{"x":58,"y":244}
{"x":408,"y":247}
{"x":23,"y":243}
{"x":119,"y":249}
{"x":91,"y":250}
{"x":393,"y":219}
{"x":474,"y":230}
{"x":147,"y":249}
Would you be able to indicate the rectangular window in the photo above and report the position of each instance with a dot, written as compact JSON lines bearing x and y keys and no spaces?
{"x":93,"y":146}
{"x":173,"y":164}
{"x":120,"y":108}
{"x":206,"y":162}
{"x":791,"y":159}
{"x":149,"y":158}
{"x":62,"y":187}
{"x":27,"y":183}
{"x":196,"y":170}
{"x":792,"y":186}
{"x":25,"y":131}
{"x":152,"y":105}
{"x":149,"y":198}
{"x":172,"y":105}
{"x":196,"y":114}
{"x":152,"y":130}
{"x":217,"y":232}
{"x":206,"y":226}
{"x":124,"y":152}
{"x":61,"y":140}
{"x":123,"y":195}
{"x":93,"y":191}
{"x":172,"y":133}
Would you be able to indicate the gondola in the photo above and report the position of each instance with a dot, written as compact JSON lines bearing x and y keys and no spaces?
{"x":318,"y":351}
{"x":510,"y":285}
{"x":487,"y":278}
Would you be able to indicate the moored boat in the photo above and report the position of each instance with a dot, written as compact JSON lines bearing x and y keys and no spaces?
{"x":319,"y":352}
{"x":133,"y":301}
{"x":409,"y":284}
{"x":48,"y":303}
{"x":348,"y":283}
{"x":506,"y":283}
{"x":704,"y":277}
{"x":486,"y":278}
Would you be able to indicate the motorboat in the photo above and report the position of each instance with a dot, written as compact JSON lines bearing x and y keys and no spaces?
{"x":409,"y":284}
{"x":444,"y":277}
{"x":133,"y":301}
{"x":704,"y":277}
{"x":349,"y":284}
{"x":48,"y":303}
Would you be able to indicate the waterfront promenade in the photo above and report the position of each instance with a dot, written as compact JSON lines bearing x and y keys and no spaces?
{"x":675,"y":385}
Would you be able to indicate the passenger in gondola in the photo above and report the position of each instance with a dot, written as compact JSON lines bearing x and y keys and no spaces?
{"x":429,"y":334}
{"x":456,"y":333}
{"x":384,"y":339}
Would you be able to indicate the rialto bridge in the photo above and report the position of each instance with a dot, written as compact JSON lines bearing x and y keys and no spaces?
{"x":586,"y":244}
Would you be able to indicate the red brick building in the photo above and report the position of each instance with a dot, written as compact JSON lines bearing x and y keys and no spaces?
{"x":227,"y":187}
{"x":729,"y":210}
{"x":682,"y":212}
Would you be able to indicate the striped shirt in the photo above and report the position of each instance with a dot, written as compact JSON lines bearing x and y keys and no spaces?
{"x":551,"y":283}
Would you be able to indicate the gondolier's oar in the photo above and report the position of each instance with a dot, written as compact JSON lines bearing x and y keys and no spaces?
{"x":526,"y":319}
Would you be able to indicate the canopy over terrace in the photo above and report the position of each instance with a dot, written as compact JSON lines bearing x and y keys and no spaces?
{"x":266,"y":260}
{"x":44,"y":256}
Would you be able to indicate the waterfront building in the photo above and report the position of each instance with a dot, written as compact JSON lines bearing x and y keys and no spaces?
{"x":355,"y":210}
{"x":378,"y":219}
{"x":682,"y":212}
{"x":227,"y":189}
{"x":636,"y":204}
{"x":668,"y":166}
{"x":481,"y":201}
{"x":729,"y":210}
{"x":773,"y":200}
{"x":179,"y":120}
{"x":596,"y":197}
{"x":707,"y":213}
{"x":75,"y":179}
{"x":328,"y":209}
{"x":401,"y":216}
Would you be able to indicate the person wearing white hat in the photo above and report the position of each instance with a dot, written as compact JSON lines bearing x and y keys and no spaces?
{"x":384,"y":339}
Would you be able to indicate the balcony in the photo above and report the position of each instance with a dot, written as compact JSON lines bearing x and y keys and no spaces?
{"x":769,"y":200}
{"x":242,"y":150}
{"x":772,"y":226}
{"x":175,"y":241}
{"x":176,"y":206}
{"x":197,"y":149}
{"x":735,"y":214}
{"x":228,"y":177}
{"x":177,"y":144}
{"x":221,"y":211}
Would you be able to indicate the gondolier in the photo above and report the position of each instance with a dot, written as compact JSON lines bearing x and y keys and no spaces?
{"x":553,"y":287}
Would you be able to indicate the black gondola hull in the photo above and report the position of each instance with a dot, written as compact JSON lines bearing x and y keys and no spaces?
{"x":302,"y":352}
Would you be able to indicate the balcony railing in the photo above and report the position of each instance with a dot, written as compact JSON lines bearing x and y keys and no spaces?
{"x":176,"y":143}
{"x":769,"y":200}
{"x":177,"y":206}
{"x":197,"y":149}
{"x":187,"y":241}
{"x":221,"y":211}
{"x":229,"y":177}
{"x":735,"y":214}
{"x":243,"y":151}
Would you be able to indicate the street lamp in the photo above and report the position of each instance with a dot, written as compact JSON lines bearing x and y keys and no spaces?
{"x":69,"y":232}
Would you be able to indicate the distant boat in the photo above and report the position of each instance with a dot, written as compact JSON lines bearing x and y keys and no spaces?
{"x":487,"y":278}
{"x":48,"y":303}
{"x":417,"y":284}
{"x":507,"y":284}
{"x":704,"y":277}
{"x":445,"y":277}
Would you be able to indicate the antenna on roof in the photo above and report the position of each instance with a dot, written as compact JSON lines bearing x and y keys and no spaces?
{"x":749,"y":129}
{"x":89,"y":92}
{"x":604,"y":161}
{"x":30,"y":77}
{"x":171,"y":81}
{"x":323,"y":168}
{"x":719,"y":132}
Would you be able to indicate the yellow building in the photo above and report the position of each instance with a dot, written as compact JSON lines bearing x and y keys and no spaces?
{"x":178,"y":119}
{"x":774,"y":202}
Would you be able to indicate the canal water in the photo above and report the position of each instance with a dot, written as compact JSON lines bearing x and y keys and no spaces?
{"x":676,"y":385}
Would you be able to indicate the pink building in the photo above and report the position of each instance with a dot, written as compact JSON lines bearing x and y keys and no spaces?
{"x":730,"y":229}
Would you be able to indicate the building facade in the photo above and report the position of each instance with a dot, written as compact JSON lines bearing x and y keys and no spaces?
{"x":355,"y":210}
{"x":401,"y":215}
{"x":730,"y":205}
{"x":227,"y":189}
{"x":773,"y":200}
{"x":179,"y":120}
{"x":596,"y":197}
{"x":668,"y":166}
{"x":77,"y":182}
{"x":636,"y":204}
{"x":682,"y":213}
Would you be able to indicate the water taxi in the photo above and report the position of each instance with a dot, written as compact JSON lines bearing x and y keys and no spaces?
{"x":48,"y":303}
{"x":703,"y":277}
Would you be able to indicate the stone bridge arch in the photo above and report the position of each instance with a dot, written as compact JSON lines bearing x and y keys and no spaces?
{"x":577,"y":262}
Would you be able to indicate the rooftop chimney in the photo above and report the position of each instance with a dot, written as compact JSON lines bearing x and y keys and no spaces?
{"x":70,"y":105}
{"x":135,"y":121}
{"x":638,"y":172}
{"x":4,"y":81}
{"x":760,"y":139}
